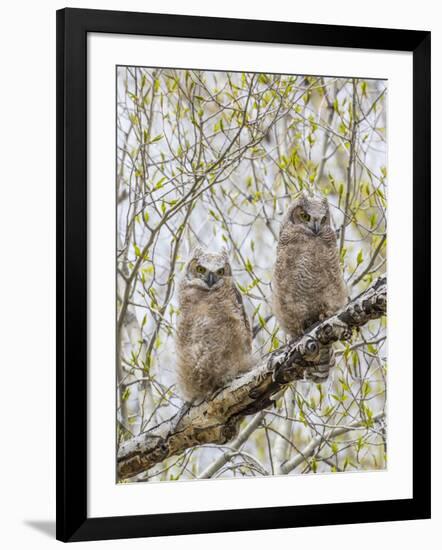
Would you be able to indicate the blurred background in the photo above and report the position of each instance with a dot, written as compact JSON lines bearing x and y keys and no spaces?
{"x":214,"y":158}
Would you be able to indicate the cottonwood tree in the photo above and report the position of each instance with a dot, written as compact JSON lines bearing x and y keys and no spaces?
{"x":214,"y":158}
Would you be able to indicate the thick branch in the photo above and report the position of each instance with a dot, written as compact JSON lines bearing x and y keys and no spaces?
{"x":217,"y":419}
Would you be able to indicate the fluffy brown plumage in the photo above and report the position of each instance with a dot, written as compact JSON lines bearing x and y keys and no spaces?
{"x":308,"y":285}
{"x":214,"y":338}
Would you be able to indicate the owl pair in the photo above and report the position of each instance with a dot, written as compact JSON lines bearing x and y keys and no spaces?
{"x":214,"y":336}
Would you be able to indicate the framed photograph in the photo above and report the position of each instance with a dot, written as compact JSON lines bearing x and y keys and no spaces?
{"x":243,"y":273}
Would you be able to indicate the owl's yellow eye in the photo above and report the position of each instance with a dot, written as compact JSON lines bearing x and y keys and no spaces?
{"x":200,"y":269}
{"x":304,"y":216}
{"x":220,"y":271}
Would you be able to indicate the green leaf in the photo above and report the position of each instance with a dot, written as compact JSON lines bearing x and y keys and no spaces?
{"x":366,"y":389}
{"x":372,"y":349}
{"x":249,"y":266}
{"x":214,"y":215}
{"x":343,"y":252}
{"x":134,"y":119}
{"x":159,"y":183}
{"x":275,"y":343}
{"x":355,"y":358}
{"x":364,"y":88}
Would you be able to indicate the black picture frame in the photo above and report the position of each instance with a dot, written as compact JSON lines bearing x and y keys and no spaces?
{"x":73,"y":25}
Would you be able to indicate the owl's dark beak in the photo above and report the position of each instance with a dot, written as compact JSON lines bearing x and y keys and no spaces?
{"x":211,"y":279}
{"x":316,"y":227}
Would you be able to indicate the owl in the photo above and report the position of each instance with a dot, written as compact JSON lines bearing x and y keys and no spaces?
{"x":213,"y":337}
{"x":308,"y":285}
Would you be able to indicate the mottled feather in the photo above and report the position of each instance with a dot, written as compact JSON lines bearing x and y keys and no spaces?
{"x":308,"y":284}
{"x":214,"y":338}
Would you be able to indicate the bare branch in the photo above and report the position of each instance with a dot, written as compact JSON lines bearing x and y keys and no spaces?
{"x":316,"y":441}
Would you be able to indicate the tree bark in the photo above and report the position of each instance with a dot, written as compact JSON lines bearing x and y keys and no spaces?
{"x":217,"y":419}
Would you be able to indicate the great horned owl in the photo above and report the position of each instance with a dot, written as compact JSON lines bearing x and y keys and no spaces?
{"x":214,"y":338}
{"x":308,"y":284}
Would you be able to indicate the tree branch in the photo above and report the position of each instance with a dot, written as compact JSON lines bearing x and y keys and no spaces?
{"x":217,"y":419}
{"x":316,"y":441}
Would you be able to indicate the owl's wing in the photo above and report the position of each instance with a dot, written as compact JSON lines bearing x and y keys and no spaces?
{"x":240,"y":303}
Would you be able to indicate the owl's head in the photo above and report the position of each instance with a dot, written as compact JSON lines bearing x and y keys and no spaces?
{"x":309,"y":215}
{"x":208,"y":270}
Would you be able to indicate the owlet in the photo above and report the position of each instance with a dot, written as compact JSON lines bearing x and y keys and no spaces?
{"x":214,"y":338}
{"x":308,"y":284}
